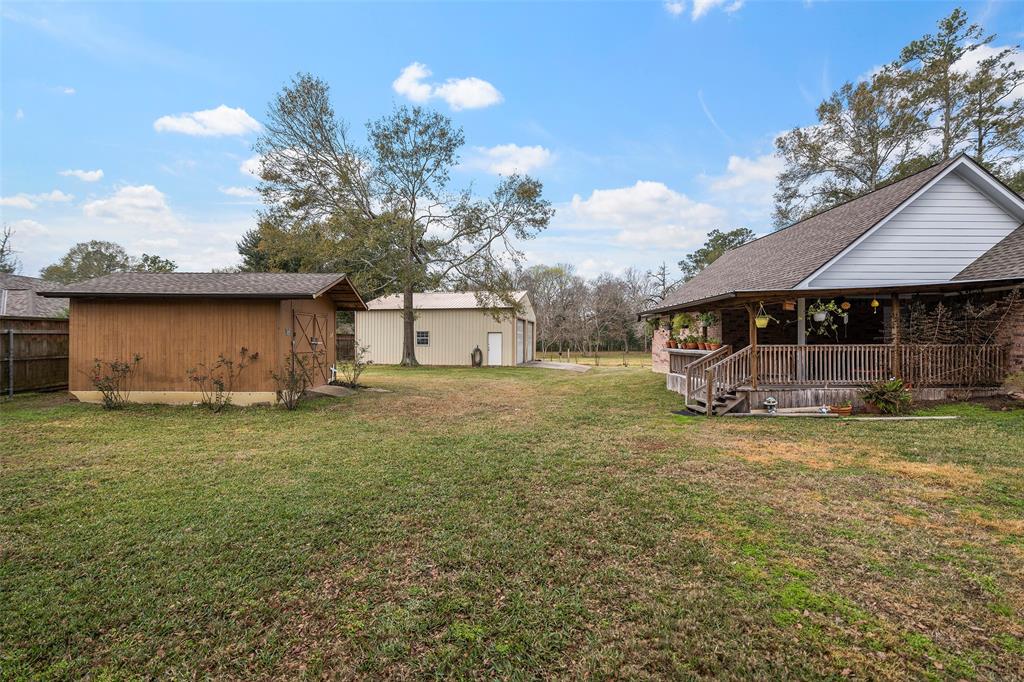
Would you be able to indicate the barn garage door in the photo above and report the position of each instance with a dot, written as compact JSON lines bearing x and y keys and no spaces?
{"x":520,"y":341}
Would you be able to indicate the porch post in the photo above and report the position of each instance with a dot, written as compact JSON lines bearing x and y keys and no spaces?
{"x":894,"y":321}
{"x":801,"y":337}
{"x":752,"y":325}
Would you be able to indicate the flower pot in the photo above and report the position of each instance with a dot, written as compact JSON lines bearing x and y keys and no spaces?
{"x":820,"y":317}
{"x":761,"y":321}
{"x":670,"y":344}
{"x":702,"y":346}
{"x":841,"y":410}
{"x":714,"y":346}
{"x":691,"y":346}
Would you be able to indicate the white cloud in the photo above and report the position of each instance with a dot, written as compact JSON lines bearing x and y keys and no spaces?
{"x":218,"y":122}
{"x":747,"y":188}
{"x":67,"y":91}
{"x":17,"y":201}
{"x":19,"y":114}
{"x":30,"y":201}
{"x":29,"y":228}
{"x":240,"y":192}
{"x":84,"y":175}
{"x":251,"y":166}
{"x":134,"y":206}
{"x":675,"y":8}
{"x":647,"y":213}
{"x":969,"y":62}
{"x":459,"y":93}
{"x":702,"y":7}
{"x":505,"y":159}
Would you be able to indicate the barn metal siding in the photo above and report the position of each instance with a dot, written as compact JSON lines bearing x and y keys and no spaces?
{"x":931,"y":239}
{"x":453,"y":335}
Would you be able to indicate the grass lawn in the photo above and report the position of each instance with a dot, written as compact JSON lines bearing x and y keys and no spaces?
{"x":512,"y":523}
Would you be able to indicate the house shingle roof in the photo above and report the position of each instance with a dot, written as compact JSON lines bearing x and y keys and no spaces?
{"x":1005,"y":260}
{"x":19,"y":297}
{"x":434,"y":300}
{"x":274,"y":285}
{"x":783,"y":259}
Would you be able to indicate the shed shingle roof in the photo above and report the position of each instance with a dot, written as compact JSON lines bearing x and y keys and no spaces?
{"x":783,"y":259}
{"x":275,"y":285}
{"x":19,"y":297}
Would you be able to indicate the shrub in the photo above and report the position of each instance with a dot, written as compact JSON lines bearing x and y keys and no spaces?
{"x":293,"y":381}
{"x":114,"y":380}
{"x":216,"y":383}
{"x":890,"y":396}
{"x":348,"y":372}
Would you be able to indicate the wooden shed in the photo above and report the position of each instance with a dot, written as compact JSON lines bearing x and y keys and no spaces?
{"x":449,"y":326}
{"x":177,"y":321}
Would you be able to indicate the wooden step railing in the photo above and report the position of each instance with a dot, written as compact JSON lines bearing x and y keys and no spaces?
{"x":695,"y":371}
{"x":724,"y":376}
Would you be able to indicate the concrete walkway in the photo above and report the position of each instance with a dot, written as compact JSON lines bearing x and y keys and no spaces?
{"x":565,"y":366}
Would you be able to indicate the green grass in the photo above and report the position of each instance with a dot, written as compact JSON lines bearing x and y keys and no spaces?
{"x":507,"y":523}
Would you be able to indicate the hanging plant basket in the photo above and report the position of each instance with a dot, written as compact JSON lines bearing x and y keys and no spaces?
{"x":762,"y":321}
{"x":820,"y":317}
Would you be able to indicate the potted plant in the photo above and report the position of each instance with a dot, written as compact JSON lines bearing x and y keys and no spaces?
{"x":691,"y":343}
{"x":823,"y":317}
{"x":762,"y":318}
{"x":671,"y":343}
{"x":714,"y":344}
{"x":843,"y":409}
{"x":701,"y":344}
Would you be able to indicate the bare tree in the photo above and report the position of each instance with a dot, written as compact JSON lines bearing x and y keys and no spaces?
{"x":389,"y":203}
{"x":9,"y":262}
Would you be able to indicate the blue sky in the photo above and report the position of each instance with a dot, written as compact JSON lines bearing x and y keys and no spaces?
{"x":649,"y":123}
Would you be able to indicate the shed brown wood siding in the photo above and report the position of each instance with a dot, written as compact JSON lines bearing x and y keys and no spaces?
{"x":173,"y":335}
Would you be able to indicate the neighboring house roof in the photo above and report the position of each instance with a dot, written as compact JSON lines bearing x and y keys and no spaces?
{"x":786,"y":258}
{"x":1003,"y":261}
{"x":19,"y":297}
{"x":438,"y":300}
{"x":272,"y":285}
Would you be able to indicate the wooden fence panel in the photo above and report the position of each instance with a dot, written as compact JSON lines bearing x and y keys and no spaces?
{"x":39,"y":361}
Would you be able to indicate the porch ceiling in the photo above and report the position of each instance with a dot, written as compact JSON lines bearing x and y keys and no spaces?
{"x":737,"y":299}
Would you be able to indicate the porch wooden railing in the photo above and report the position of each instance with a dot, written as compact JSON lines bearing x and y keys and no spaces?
{"x":846,"y":365}
{"x":695,"y":370}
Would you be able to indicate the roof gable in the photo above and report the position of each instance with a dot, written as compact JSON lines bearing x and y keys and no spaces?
{"x":783,"y":259}
{"x":930,"y":238}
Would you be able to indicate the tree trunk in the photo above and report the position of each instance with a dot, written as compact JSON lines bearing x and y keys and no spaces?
{"x":408,"y":330}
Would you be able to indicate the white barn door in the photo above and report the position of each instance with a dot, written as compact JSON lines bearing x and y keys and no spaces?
{"x":494,"y":349}
{"x":520,"y":341}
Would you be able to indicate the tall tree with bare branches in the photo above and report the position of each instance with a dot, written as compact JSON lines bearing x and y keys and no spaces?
{"x":391,"y":211}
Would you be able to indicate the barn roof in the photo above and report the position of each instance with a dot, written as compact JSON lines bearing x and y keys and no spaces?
{"x":438,"y":300}
{"x":264,"y":285}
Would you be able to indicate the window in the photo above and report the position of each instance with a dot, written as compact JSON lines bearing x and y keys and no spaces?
{"x":422,"y":338}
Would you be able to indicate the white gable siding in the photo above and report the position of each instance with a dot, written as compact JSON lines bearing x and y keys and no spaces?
{"x":932,"y":239}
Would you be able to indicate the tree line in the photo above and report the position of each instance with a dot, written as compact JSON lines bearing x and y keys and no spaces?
{"x":945,"y":93}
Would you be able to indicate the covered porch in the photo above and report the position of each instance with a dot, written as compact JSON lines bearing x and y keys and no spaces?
{"x":801,"y":367}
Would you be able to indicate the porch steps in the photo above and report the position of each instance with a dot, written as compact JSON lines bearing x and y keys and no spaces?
{"x":721,"y":405}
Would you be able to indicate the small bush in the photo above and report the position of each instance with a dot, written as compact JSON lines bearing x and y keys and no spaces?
{"x":216,"y":382}
{"x":114,"y":380}
{"x":293,"y":381}
{"x":890,"y":396}
{"x":349,"y":372}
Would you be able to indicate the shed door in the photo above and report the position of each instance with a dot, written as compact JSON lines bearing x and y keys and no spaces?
{"x":520,"y":341}
{"x":494,"y":349}
{"x":531,"y":343}
{"x":309,"y":340}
